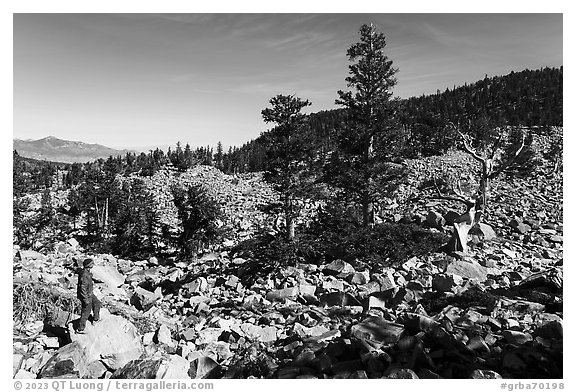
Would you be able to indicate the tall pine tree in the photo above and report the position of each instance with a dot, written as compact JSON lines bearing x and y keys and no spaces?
{"x":367,"y":140}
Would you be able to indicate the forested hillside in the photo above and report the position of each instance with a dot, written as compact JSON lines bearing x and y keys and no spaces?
{"x":531,"y":98}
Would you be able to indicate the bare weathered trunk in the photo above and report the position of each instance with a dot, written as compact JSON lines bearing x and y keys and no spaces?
{"x":476,"y":207}
{"x":462,"y":225}
{"x":98,"y":218}
{"x":367,"y":205}
{"x":106,"y":215}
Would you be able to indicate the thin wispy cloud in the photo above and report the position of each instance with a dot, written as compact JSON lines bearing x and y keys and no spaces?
{"x":200,"y":78}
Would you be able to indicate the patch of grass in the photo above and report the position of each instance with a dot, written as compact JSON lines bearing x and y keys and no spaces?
{"x":34,"y":301}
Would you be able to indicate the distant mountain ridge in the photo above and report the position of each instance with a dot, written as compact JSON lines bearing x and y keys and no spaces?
{"x":53,"y":149}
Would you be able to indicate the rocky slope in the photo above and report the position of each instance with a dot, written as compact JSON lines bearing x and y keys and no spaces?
{"x":495,"y":312}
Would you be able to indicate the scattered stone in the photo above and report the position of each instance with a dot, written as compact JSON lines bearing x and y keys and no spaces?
{"x":282,"y":294}
{"x":208,"y":335}
{"x":435,"y":220}
{"x":400,"y":373}
{"x":24,"y":374}
{"x":445,"y":282}
{"x":175,"y":367}
{"x":483,"y":230}
{"x":203,"y":367}
{"x":485,"y":374}
{"x":550,"y":330}
{"x":96,"y":370}
{"x":108,"y":275}
{"x":144,"y":300}
{"x":69,"y":361}
{"x":518,"y":226}
{"x":378,"y":330}
{"x":139,"y":369}
{"x":339,"y":299}
{"x":468,"y":270}
{"x":338,"y":268}
{"x":163,"y":336}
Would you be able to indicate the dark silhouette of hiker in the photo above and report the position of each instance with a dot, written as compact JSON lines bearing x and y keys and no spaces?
{"x":90,"y":304}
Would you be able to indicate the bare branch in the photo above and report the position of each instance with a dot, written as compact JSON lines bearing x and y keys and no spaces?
{"x":459,"y":193}
{"x":497,"y":144}
{"x":459,"y":198}
{"x":510,"y":160}
{"x":467,"y":145}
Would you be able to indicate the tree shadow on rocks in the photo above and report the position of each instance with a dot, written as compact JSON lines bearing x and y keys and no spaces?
{"x":325,"y":240}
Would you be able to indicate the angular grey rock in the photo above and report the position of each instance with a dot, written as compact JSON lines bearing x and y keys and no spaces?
{"x":307,"y":289}
{"x":339,"y":298}
{"x":263,"y":334}
{"x":17,"y":359}
{"x":516,"y":337}
{"x":377,"y":329}
{"x":114,"y":340}
{"x":208,"y":335}
{"x":375,"y":302}
{"x":550,"y":330}
{"x":143,"y":299}
{"x":435,"y":219}
{"x":338,"y":267}
{"x":174,"y":367}
{"x":468,"y":270}
{"x":445,"y":282}
{"x":333,"y":284}
{"x":357,"y":278}
{"x":27,"y":255}
{"x":199,"y":285}
{"x":401,"y":374}
{"x":518,"y":226}
{"x":485,"y":374}
{"x":282,"y":294}
{"x":73,"y":242}
{"x":163,"y":336}
{"x":419,"y":323}
{"x":204,"y":367}
{"x":146,"y":368}
{"x":96,"y":370}
{"x":69,"y":361}
{"x":24,"y":374}
{"x":108,"y":275}
{"x":484,"y":230}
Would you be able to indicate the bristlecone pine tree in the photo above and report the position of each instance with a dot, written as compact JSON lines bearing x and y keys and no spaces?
{"x":286,"y":153}
{"x":494,"y":159}
{"x":370,"y":111}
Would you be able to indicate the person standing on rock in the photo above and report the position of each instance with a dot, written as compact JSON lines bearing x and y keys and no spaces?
{"x":90,"y":304}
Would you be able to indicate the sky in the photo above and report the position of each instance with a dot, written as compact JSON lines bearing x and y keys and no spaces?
{"x":144,"y":80}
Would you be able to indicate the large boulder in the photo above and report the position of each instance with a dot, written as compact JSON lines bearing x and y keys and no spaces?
{"x":338,"y":268}
{"x":108,"y":275}
{"x":113,"y":340}
{"x":143,"y":299}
